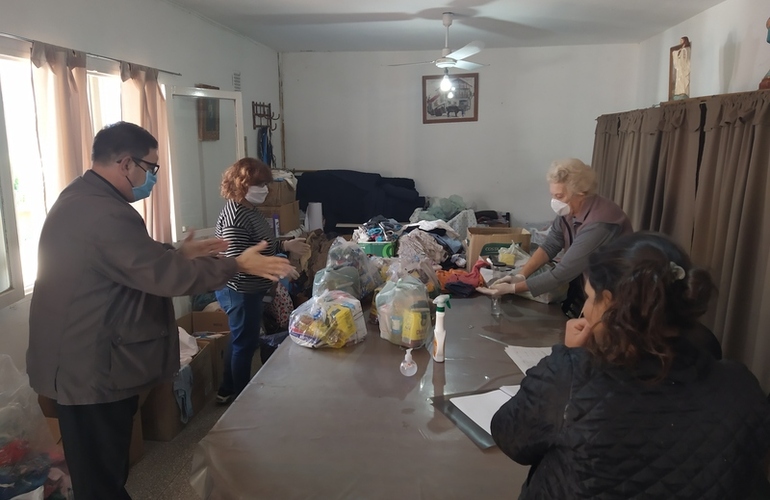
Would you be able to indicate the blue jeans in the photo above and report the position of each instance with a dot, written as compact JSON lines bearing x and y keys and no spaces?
{"x":244,"y":314}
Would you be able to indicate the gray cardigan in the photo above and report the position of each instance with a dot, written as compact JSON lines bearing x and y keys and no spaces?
{"x":102,"y":326}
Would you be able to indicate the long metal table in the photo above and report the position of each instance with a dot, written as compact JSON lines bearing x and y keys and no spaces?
{"x":345,"y":424}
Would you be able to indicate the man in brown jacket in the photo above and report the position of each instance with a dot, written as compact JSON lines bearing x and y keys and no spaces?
{"x":102,"y":325}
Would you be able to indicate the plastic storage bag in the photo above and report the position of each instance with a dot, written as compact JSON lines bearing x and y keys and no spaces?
{"x":404,"y":312}
{"x":25,"y":440}
{"x":345,"y":253}
{"x":333,"y":319}
{"x":421,"y":270}
{"x":344,"y":279}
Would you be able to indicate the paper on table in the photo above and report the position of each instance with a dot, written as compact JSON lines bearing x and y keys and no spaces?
{"x":482,"y":407}
{"x":527,"y":357}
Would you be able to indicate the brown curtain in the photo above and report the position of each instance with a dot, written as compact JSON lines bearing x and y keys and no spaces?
{"x":605,"y":156}
{"x":60,"y":87}
{"x":673,"y":196}
{"x":648,"y":166}
{"x":731,"y":237}
{"x":641,"y":166}
{"x":143,"y":103}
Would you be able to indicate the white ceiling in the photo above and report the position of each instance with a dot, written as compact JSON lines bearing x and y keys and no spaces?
{"x":396,"y":25}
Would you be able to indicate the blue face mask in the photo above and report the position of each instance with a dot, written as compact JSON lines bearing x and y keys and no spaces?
{"x":143,"y":191}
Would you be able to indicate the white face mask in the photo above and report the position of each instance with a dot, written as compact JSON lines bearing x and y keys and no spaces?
{"x":256,"y":194}
{"x":561,"y":208}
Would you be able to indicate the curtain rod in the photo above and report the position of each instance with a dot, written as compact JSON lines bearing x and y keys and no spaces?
{"x":23,"y":39}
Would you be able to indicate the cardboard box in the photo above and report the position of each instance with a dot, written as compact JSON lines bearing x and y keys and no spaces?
{"x":279,"y":193}
{"x":485,"y":241}
{"x":213,"y":329}
{"x":288,"y":216}
{"x":161,"y":417}
{"x":218,"y":344}
{"x":136,"y":448}
{"x":204,"y":322}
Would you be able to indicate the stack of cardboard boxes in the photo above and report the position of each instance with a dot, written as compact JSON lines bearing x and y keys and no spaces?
{"x":161,"y":416}
{"x":281,"y":206}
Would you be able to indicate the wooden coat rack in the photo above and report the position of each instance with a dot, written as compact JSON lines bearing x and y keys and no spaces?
{"x":262,"y":115}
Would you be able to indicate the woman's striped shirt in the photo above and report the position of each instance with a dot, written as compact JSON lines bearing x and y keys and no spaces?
{"x":244,"y":227}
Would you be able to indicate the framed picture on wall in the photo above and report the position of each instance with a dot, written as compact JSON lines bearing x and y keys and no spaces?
{"x":208,"y":116}
{"x":679,"y":70}
{"x":457,"y":102}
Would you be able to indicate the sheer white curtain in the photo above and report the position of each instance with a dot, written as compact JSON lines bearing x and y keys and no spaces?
{"x":143,"y":103}
{"x":60,"y":86}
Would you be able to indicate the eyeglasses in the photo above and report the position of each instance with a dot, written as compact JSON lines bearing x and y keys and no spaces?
{"x":154,"y":167}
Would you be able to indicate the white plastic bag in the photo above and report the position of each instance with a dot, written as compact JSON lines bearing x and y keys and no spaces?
{"x":25,"y":440}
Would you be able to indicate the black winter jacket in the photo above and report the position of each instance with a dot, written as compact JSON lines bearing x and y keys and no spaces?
{"x":595,"y":431}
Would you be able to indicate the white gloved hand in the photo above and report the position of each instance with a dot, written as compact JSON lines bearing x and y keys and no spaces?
{"x":297,"y":246}
{"x":511,"y":278}
{"x":496,"y":289}
{"x":293,"y":274}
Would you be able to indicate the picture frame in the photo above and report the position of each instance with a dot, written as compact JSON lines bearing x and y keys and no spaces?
{"x":679,"y":70}
{"x":458,"y":105}
{"x":208,"y":116}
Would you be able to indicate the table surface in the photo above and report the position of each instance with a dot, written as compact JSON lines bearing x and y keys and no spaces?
{"x":344,"y":423}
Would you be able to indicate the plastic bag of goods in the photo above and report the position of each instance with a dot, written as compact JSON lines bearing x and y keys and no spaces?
{"x":333,"y":319}
{"x":422,"y":270}
{"x":345,"y":253}
{"x":26,"y":446}
{"x":344,"y":279}
{"x":404,"y":313}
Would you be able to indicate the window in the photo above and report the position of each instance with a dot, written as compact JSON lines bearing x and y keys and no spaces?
{"x":23,"y":196}
{"x":26,"y":172}
{"x":104,"y":97}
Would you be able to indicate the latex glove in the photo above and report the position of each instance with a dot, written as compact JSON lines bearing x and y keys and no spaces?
{"x":209,"y":247}
{"x":297,"y":245}
{"x":294,"y":274}
{"x":499,"y":287}
{"x":251,"y":261}
{"x":490,"y":291}
{"x":577,"y":332}
{"x":511,"y":278}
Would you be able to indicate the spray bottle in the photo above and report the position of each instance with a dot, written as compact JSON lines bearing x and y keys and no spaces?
{"x":439,"y":334}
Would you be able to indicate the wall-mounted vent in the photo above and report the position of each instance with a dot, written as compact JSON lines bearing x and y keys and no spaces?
{"x":237,"y":82}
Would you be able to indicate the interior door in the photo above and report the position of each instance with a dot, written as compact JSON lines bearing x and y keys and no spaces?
{"x":205,"y":127}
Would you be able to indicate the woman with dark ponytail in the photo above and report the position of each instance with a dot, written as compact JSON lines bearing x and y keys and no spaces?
{"x":636,"y":403}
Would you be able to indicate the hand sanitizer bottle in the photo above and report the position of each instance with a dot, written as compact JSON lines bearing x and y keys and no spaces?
{"x":408,"y":366}
{"x":439,"y":334}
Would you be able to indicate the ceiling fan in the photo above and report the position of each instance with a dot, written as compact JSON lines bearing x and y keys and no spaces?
{"x":454,"y":59}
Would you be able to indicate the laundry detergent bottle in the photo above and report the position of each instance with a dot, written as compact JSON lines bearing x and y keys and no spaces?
{"x":439,"y":334}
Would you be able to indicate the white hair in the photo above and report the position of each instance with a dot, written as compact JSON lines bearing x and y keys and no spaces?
{"x":576,"y":176}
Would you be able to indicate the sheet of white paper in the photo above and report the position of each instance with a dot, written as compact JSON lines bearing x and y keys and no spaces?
{"x":482,"y":407}
{"x":527,"y":357}
{"x":511,"y":390}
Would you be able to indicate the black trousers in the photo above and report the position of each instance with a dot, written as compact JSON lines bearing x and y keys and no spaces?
{"x":96,"y":441}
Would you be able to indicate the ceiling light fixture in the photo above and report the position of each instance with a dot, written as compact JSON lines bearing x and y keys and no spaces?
{"x":446,"y":83}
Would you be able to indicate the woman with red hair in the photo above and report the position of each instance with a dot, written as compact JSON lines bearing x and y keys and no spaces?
{"x":244,"y":186}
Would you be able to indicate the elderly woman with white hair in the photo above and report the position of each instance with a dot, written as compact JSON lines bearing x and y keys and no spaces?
{"x":585,"y":221}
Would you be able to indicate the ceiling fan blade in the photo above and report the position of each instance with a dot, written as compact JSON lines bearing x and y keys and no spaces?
{"x":412,"y":63}
{"x":467,"y":65}
{"x":467,"y":51}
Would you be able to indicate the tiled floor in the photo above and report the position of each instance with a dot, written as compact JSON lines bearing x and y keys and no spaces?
{"x":163,"y":473}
